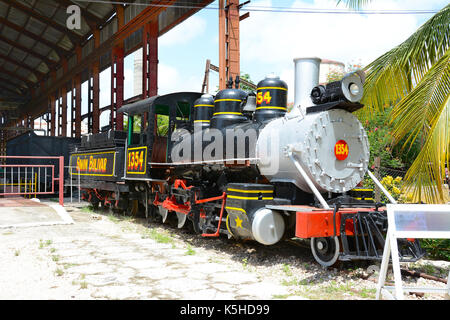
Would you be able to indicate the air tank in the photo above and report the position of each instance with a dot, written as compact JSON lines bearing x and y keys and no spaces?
{"x":228,"y":108}
{"x":271,"y":98}
{"x":203,"y":111}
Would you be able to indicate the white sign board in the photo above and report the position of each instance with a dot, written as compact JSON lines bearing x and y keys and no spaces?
{"x":412,"y":221}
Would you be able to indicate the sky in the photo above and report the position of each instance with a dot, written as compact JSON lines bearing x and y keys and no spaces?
{"x":271,"y":40}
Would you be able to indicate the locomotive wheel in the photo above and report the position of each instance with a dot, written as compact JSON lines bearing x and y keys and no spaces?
{"x":164,"y":213}
{"x":181,"y":220}
{"x":95,"y":205}
{"x":325,"y":250}
{"x":132,"y":209}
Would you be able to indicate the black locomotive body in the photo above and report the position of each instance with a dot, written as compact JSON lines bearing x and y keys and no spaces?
{"x":241,"y":165}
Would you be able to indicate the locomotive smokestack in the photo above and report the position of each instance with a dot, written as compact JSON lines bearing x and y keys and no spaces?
{"x":306,"y":78}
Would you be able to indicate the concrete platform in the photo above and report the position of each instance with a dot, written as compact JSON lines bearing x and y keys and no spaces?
{"x":21,"y":212}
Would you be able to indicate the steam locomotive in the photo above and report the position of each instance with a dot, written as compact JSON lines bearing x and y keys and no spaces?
{"x":239,"y":164}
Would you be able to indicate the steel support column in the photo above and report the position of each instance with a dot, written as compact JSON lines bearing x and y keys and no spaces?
{"x":117,"y":78}
{"x":76,"y":107}
{"x":59,"y":107}
{"x":95,"y":98}
{"x":63,"y":112}
{"x":229,"y":41}
{"x":52,"y":114}
{"x":95,"y":93}
{"x":90,"y":102}
{"x":76,"y":100}
{"x":150,"y":61}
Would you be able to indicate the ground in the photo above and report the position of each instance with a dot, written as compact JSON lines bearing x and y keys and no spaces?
{"x":104,"y":256}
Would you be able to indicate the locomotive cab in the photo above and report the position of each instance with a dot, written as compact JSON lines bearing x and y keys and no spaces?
{"x":151,"y":123}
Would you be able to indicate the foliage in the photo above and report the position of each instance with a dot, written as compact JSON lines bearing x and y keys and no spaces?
{"x":244,"y":87}
{"x":380,"y":141}
{"x":438,"y":249}
{"x":334,"y":75}
{"x":163,"y":125}
{"x":136,"y":124}
{"x":414,"y":77}
{"x":379,"y":130}
{"x":393,"y":186}
{"x":337,"y":74}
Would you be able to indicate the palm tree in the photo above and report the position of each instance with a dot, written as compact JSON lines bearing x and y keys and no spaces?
{"x":414,"y":77}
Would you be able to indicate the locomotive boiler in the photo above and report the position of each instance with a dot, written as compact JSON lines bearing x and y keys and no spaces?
{"x":243,"y":165}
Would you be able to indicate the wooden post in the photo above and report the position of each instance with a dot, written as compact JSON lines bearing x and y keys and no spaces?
{"x":206,"y":78}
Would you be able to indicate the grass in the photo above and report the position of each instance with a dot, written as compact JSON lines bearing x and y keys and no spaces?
{"x":113,"y":218}
{"x":190,"y":251}
{"x":83,"y":284}
{"x":281,"y":296}
{"x":287,"y":269}
{"x":157,"y":236}
{"x":17,"y":252}
{"x":88,"y":209}
{"x":328,"y":290}
{"x":59,"y":272}
{"x":55,"y":258}
{"x":245,"y":263}
{"x":43,"y":244}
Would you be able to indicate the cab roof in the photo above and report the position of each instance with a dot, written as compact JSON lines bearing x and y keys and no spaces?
{"x":183,"y":102}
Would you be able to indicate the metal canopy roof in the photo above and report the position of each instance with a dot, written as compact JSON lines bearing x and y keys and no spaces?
{"x":34,"y":41}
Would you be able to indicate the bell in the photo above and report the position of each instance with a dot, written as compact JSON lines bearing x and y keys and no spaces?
{"x":250,"y":106}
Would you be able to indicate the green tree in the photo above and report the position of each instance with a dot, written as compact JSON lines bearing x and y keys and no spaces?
{"x":244,"y":87}
{"x":414,"y":78}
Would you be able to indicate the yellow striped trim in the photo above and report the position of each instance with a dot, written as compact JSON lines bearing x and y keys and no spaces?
{"x":204,"y":105}
{"x":269,"y":107}
{"x":251,"y":191}
{"x":228,"y":225}
{"x":249,"y":198}
{"x":362,"y":190}
{"x":231,"y":113}
{"x":202,"y":121}
{"x":273,"y":88}
{"x":237,"y":209}
{"x":364,"y":198}
{"x":220,"y":100}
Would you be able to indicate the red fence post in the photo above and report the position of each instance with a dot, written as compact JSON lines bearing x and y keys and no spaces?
{"x":61,"y":181}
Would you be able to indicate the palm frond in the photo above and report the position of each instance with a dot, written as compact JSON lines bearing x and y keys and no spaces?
{"x":393,"y":75}
{"x":417,"y":112}
{"x":355,"y":4}
{"x":426,"y":175}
